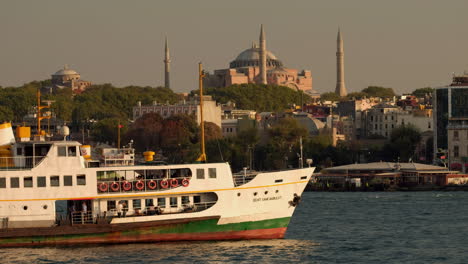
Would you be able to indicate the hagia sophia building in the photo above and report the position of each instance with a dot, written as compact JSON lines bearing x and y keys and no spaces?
{"x":260,"y":66}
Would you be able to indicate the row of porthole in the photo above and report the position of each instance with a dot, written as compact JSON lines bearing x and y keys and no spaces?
{"x":255,"y":193}
{"x":25,"y":207}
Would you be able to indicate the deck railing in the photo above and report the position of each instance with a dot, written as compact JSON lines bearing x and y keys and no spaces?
{"x":20,"y":163}
{"x":243,"y":177}
{"x":79,"y":218}
{"x":141,"y":185}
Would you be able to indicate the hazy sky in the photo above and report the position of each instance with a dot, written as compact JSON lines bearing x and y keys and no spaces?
{"x":403,"y":44}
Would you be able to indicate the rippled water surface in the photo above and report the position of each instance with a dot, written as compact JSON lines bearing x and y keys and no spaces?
{"x":422,"y":227}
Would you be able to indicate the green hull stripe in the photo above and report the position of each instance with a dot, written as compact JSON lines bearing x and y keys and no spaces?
{"x":203,"y":226}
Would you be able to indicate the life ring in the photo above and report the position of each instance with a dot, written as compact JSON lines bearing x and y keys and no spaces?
{"x":139,"y":185}
{"x":174,"y":183}
{"x":152,"y":185}
{"x":164,"y":184}
{"x":103,"y":187}
{"x":115,"y":187}
{"x":126,"y":186}
{"x":185,"y":182}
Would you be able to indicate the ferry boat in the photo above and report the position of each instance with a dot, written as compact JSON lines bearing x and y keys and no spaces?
{"x":55,"y":193}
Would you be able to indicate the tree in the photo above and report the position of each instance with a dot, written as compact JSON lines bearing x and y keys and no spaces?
{"x":246,"y":96}
{"x":106,"y":130}
{"x":330,"y":96}
{"x":421,"y":92}
{"x":378,"y":91}
{"x":145,"y":132}
{"x":357,"y":95}
{"x":403,"y":141}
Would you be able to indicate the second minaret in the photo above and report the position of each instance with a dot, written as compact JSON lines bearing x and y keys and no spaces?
{"x":340,"y":83}
{"x":167,"y":62}
{"x":262,"y":57}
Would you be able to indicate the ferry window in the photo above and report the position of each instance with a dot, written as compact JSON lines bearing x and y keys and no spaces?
{"x":28,"y":182}
{"x":19,"y":151}
{"x":162,"y":202}
{"x":136,"y":204}
{"x":14,"y":182}
{"x":149,"y":202}
{"x":200,"y":174}
{"x":81,"y":179}
{"x":100,"y":175}
{"x":212,"y":172}
{"x":72,"y":151}
{"x":173,"y":202}
{"x":197,"y":199}
{"x":67,"y":180}
{"x":62,"y":151}
{"x":54,"y":181}
{"x":41,"y":181}
{"x":185,"y":200}
{"x":110,"y":205}
{"x":2,"y":182}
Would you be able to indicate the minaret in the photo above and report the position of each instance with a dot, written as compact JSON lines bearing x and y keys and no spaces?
{"x":167,"y":62}
{"x":340,"y":83}
{"x":262,"y":57}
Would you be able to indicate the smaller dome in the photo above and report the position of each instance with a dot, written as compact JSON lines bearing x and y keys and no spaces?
{"x":65,"y":71}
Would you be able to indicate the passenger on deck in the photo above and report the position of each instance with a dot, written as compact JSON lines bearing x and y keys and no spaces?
{"x":151,"y":210}
{"x":119,"y":209}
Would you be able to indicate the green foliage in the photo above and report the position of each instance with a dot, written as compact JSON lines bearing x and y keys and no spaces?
{"x":421,"y":92}
{"x":402,"y":143}
{"x":16,"y":102}
{"x":106,"y":130}
{"x":330,"y":96}
{"x":357,"y":95}
{"x":260,"y":98}
{"x":378,"y":91}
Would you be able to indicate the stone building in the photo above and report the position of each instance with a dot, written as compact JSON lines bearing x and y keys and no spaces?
{"x":260,"y":66}
{"x":211,"y":110}
{"x":68,"y":78}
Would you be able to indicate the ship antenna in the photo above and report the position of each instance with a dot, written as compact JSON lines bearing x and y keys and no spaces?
{"x":201,"y":74}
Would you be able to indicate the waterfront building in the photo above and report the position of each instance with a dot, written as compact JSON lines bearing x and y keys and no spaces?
{"x":381,"y":120}
{"x":451,"y":123}
{"x":260,"y":66}
{"x":68,"y":78}
{"x":211,"y":109}
{"x":390,"y":173}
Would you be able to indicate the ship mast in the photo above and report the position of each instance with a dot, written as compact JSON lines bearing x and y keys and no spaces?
{"x":39,"y":115}
{"x":201,"y":74}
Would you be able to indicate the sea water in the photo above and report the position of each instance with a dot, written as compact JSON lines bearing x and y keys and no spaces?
{"x":360,"y":227}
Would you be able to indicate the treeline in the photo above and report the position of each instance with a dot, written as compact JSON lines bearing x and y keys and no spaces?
{"x":260,"y":98}
{"x":373,"y":91}
{"x":96,"y":103}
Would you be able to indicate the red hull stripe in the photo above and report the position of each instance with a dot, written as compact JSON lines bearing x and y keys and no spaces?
{"x":271,"y":233}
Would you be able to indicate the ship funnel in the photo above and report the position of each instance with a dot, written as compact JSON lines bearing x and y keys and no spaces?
{"x":6,"y":134}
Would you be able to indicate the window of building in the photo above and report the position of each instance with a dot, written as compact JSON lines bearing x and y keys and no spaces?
{"x":456,"y":151}
{"x":455,"y":135}
{"x":2,"y":182}
{"x":173,"y":202}
{"x":67,"y":180}
{"x":162,"y":202}
{"x":41,"y":181}
{"x":14,"y":182}
{"x":54,"y":181}
{"x":200,"y":173}
{"x":28,"y":182}
{"x":428,"y":124}
{"x":371,"y":118}
{"x":81,"y":179}
{"x":136,"y":203}
{"x":62,"y":151}
{"x":212,"y":173}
